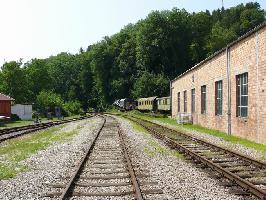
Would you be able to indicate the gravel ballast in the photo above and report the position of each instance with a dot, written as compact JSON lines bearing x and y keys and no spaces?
{"x":52,"y":164}
{"x":177,"y":178}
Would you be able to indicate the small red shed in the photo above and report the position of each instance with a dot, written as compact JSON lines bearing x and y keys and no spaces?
{"x":5,"y":105}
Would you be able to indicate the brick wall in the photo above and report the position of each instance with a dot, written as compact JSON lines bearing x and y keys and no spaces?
{"x":242,"y":58}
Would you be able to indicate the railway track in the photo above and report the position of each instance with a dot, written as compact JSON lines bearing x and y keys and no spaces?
{"x":9,"y":133}
{"x":106,"y":170}
{"x":244,"y":175}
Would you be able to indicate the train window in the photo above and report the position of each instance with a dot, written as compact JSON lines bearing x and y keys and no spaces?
{"x":218,"y":98}
{"x":193,"y":100}
{"x":185,"y":101}
{"x":203,"y":99}
{"x":242,"y":95}
{"x":178,"y":102}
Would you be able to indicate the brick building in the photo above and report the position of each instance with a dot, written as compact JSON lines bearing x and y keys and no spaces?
{"x":227,"y":91}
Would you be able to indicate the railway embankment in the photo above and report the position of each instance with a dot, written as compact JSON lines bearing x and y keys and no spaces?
{"x":241,"y":145}
{"x":30,"y":161}
{"x":177,"y":178}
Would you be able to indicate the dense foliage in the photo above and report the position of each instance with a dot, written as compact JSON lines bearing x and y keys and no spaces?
{"x":138,"y":61}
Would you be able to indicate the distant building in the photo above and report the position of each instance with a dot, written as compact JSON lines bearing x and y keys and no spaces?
{"x":5,"y":105}
{"x":227,"y":91}
{"x":23,"y":111}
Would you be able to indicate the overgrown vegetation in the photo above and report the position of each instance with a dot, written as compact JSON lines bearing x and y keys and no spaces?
{"x":16,"y":123}
{"x":138,"y":61}
{"x":226,"y":137}
{"x":154,"y":148}
{"x":19,"y":149}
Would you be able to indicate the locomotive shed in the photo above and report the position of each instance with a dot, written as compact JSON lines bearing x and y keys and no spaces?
{"x":226,"y":91}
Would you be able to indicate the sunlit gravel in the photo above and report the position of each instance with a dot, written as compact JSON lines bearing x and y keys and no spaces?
{"x":178,"y":178}
{"x":50,"y":165}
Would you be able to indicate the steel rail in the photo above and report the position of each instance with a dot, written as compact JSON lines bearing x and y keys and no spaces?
{"x":70,"y":185}
{"x":135,"y":183}
{"x":68,"y":191}
{"x":242,"y":156}
{"x":31,"y":128}
{"x":21,"y":128}
{"x":260,"y":193}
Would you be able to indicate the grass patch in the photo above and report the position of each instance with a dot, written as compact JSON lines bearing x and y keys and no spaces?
{"x":139,"y":128}
{"x":19,"y":149}
{"x":16,"y":124}
{"x":229,"y":138}
{"x":154,"y":148}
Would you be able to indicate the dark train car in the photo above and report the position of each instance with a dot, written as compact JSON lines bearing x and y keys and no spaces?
{"x":125,"y":104}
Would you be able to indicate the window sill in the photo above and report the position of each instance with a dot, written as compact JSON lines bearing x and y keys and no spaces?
{"x":242,"y":119}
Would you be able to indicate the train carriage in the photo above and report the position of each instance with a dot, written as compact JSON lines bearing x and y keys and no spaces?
{"x":163,"y":104}
{"x":149,"y":103}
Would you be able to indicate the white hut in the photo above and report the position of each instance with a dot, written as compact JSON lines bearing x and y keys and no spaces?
{"x":23,"y":111}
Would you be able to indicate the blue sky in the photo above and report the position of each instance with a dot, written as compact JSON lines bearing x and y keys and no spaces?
{"x":40,"y":28}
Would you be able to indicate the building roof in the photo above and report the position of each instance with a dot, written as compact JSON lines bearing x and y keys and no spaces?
{"x":164,"y":97}
{"x":147,"y":98}
{"x":4,"y":97}
{"x":257,"y":28}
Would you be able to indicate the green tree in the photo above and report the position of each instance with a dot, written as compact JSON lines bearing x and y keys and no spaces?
{"x":85,"y":81}
{"x":47,"y":101}
{"x":149,"y":84}
{"x":63,"y":70}
{"x":201,"y":27}
{"x":219,"y":38}
{"x":102,"y":62}
{"x":38,"y":77}
{"x":72,"y":108}
{"x":14,"y":82}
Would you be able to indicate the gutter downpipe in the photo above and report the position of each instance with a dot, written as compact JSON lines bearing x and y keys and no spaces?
{"x":171,"y":98}
{"x":228,"y":67}
{"x":257,"y":87}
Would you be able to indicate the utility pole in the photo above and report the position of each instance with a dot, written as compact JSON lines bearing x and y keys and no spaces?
{"x":222,"y":4}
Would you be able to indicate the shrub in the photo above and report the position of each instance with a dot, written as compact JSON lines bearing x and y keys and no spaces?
{"x":72,"y":108}
{"x":47,"y":101}
{"x":15,"y":117}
